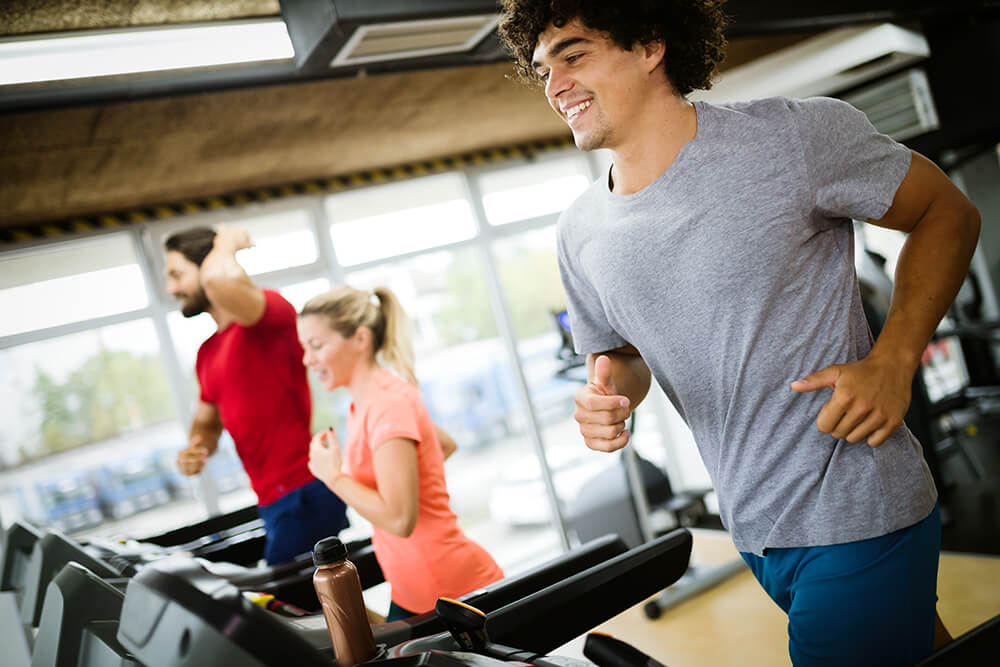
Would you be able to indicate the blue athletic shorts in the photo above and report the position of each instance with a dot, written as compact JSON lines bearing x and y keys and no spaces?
{"x":862,"y":603}
{"x":296,"y":521}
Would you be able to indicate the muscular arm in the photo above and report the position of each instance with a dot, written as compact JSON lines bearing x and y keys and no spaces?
{"x":203,"y":439}
{"x":871,"y":396}
{"x":942,"y":228}
{"x":207,"y":424}
{"x":619,"y":380}
{"x":226,"y":284}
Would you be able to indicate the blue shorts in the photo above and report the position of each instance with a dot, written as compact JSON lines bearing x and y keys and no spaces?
{"x":296,"y":521}
{"x":871,"y":602}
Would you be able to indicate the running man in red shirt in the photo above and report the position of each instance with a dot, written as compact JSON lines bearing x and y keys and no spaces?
{"x":253,"y":385}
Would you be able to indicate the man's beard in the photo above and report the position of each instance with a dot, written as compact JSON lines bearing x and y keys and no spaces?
{"x":197,"y":305}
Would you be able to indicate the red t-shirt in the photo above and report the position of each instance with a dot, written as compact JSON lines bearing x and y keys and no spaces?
{"x":255,"y":377}
{"x":437,"y":559}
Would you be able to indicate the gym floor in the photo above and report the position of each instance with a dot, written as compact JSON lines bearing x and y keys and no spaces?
{"x":735,"y":623}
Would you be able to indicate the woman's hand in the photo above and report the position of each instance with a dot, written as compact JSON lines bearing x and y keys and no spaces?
{"x":324,"y":457}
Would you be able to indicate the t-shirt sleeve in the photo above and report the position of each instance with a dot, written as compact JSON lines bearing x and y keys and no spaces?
{"x":203,"y":394}
{"x":393,"y":416}
{"x":278,"y":312}
{"x":588,"y":322}
{"x":854,"y":171}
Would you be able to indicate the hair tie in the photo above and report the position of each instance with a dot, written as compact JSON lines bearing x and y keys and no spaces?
{"x":374,"y":300}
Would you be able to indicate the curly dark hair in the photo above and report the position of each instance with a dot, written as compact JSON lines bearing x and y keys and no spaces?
{"x":691,"y":29}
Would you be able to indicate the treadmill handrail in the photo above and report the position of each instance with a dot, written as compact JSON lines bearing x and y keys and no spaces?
{"x":547,"y":619}
{"x":509,"y":589}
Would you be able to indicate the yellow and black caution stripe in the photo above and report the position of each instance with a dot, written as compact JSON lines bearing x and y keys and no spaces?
{"x":63,"y":228}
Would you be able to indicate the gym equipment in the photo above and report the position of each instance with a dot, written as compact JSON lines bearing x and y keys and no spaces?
{"x":609,"y":503}
{"x":177,"y":614}
{"x":81,"y":613}
{"x":979,"y":646}
{"x":15,"y":636}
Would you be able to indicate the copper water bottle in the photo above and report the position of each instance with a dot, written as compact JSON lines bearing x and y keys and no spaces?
{"x":338,"y":588}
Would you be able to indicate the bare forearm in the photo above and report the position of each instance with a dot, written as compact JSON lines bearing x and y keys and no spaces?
{"x":372,"y":506}
{"x":932,"y":265}
{"x":209,"y":435}
{"x":220,"y":268}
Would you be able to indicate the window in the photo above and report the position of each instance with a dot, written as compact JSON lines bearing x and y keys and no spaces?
{"x":280,"y":241}
{"x":84,"y":412}
{"x":529,"y":191}
{"x":65,"y":283}
{"x":397,"y":218}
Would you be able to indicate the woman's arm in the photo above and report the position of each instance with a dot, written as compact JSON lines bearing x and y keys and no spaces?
{"x":448,"y":444}
{"x":393,"y":504}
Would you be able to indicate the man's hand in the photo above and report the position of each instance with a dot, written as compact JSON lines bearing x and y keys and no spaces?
{"x":191,"y":460}
{"x":324,"y":457}
{"x":232,"y":238}
{"x":870,"y":399}
{"x":601,"y":411}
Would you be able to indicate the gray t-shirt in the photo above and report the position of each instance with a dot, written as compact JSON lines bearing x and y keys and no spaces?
{"x":733,"y":275}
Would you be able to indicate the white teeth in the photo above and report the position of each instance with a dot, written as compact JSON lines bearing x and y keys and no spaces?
{"x":574,"y":110}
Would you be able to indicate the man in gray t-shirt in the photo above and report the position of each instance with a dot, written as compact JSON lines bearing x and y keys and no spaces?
{"x":717,"y":256}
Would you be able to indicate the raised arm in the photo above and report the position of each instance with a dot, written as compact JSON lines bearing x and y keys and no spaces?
{"x":226,"y":284}
{"x":619,"y":380}
{"x":871,"y":396}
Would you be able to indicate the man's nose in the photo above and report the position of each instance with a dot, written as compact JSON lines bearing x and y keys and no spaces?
{"x":556,"y":84}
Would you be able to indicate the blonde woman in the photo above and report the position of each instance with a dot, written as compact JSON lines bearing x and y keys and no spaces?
{"x":392,"y":468}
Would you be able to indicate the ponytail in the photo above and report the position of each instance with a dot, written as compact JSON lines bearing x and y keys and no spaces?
{"x":396,"y":344}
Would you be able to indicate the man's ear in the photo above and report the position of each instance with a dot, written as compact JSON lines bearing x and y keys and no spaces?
{"x":653,"y":53}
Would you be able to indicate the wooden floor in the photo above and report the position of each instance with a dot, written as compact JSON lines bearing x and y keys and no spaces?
{"x":735,"y":623}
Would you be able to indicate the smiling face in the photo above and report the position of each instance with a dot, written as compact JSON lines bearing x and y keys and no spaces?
{"x":594,"y":85}
{"x":184,"y":284}
{"x":327,"y":353}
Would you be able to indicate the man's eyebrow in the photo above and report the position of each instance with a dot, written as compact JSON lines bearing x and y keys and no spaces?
{"x":559,"y":48}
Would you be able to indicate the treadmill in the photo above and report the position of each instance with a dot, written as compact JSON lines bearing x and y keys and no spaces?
{"x":177,"y":614}
{"x":80,"y":621}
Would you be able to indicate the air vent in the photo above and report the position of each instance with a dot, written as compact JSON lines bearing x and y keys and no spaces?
{"x":391,"y":35}
{"x":900,"y":106}
{"x":414,"y":39}
{"x":823,"y":65}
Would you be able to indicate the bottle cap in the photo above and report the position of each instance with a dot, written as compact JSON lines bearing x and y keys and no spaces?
{"x":329,"y":550}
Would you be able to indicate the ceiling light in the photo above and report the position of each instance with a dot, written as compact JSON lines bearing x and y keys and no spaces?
{"x":87,"y":54}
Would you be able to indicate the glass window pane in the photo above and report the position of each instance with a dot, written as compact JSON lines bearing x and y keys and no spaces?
{"x":82,"y":420}
{"x":468,"y":388}
{"x":280,"y":240}
{"x":63,"y":283}
{"x":532,"y":190}
{"x":396,"y":218}
{"x":299,"y":293}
